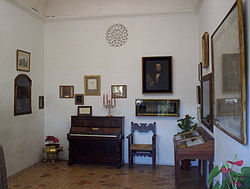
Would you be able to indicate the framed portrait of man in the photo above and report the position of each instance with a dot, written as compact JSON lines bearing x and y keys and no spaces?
{"x":157,"y":74}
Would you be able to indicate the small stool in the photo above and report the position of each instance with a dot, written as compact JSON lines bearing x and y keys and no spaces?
{"x":52,"y":153}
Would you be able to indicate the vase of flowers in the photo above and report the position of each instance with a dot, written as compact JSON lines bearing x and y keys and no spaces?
{"x":52,"y":141}
{"x":231,"y":178}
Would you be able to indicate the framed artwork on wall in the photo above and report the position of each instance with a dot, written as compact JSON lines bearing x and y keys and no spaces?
{"x":79,"y":99}
{"x":84,"y":110}
{"x":92,"y":85}
{"x":200,"y":71}
{"x":207,"y":101}
{"x":22,"y":60}
{"x":119,"y":91}
{"x":205,"y":50}
{"x":41,"y":102}
{"x":157,"y":107}
{"x":22,"y":95}
{"x":66,"y":91}
{"x":157,"y":74}
{"x":229,"y":71}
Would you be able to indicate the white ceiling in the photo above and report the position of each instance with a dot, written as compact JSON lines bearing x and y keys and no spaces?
{"x":56,"y":9}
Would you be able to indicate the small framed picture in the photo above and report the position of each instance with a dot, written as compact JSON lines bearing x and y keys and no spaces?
{"x":79,"y":99}
{"x":198,"y":94}
{"x":119,"y":91}
{"x":200,"y":71}
{"x":199,"y":114}
{"x":84,"y":110}
{"x":41,"y":102}
{"x":92,"y":85}
{"x":205,"y":50}
{"x":22,"y":60}
{"x":66,"y":91}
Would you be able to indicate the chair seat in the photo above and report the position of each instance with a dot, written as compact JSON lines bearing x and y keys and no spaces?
{"x":141,"y":147}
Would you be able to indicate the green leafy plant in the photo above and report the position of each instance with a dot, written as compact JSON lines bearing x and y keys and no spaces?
{"x":231,"y":179}
{"x":186,"y":124}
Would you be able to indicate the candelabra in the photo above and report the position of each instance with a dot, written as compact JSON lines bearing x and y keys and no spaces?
{"x":109,"y":104}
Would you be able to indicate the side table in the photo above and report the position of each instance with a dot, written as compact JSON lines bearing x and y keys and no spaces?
{"x":52,"y":153}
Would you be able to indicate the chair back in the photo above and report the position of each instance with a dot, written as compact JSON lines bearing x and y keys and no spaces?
{"x":3,"y":175}
{"x":143,"y":127}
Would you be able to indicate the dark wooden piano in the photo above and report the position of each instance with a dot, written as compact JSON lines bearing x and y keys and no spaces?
{"x":96,"y":139}
{"x":193,"y":145}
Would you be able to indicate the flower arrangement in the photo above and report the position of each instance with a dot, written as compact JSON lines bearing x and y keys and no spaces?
{"x":52,"y":140}
{"x":231,"y":179}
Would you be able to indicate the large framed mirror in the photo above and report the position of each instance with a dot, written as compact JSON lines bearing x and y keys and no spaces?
{"x":22,"y":96}
{"x":207,"y":101}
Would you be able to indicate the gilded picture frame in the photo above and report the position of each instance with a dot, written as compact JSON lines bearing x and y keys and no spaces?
{"x":92,"y":85}
{"x":23,"y":60}
{"x":205,"y":50}
{"x":157,"y":107}
{"x":228,"y":62}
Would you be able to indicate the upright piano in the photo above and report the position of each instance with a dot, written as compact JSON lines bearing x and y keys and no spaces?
{"x":96,"y":139}
{"x":193,"y":145}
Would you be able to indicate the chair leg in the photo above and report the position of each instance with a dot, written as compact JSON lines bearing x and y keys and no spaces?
{"x":153,"y":160}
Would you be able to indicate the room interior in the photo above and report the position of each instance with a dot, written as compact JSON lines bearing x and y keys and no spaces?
{"x":67,"y":40}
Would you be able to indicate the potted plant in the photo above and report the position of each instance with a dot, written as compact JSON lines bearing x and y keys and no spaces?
{"x":231,"y":179}
{"x":52,"y":141}
{"x":186,"y":124}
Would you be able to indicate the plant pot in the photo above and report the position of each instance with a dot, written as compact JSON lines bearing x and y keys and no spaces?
{"x":185,"y":164}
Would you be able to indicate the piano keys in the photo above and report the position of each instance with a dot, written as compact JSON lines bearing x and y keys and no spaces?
{"x":96,"y":139}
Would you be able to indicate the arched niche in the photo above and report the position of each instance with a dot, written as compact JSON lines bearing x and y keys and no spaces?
{"x":22,"y":96}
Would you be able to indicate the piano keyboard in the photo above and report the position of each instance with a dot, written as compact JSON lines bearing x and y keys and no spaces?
{"x":90,"y":135}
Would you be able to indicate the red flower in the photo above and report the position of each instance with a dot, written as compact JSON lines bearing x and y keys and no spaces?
{"x":238,"y":184}
{"x":224,"y":170}
{"x":51,"y":139}
{"x":239,"y":163}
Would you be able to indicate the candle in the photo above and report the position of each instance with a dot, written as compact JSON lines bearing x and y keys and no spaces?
{"x":111,"y":99}
{"x":107,"y":98}
{"x":114,"y":101}
{"x":103,"y":99}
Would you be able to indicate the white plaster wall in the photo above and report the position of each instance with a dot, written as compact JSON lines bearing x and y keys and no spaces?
{"x":74,"y":48}
{"x":21,"y":136}
{"x":211,"y":14}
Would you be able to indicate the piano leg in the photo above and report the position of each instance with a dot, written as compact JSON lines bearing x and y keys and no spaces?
{"x":204,"y":171}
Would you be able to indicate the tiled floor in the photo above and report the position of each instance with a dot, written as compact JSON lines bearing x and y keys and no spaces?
{"x":62,"y":176}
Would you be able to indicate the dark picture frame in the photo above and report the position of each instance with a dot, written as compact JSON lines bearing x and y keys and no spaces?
{"x":119,"y":91}
{"x":157,"y":107}
{"x":200,"y":71}
{"x":66,"y":91}
{"x":84,"y":110}
{"x":157,"y":74}
{"x":205,"y":50}
{"x":207,"y":101}
{"x":229,"y":74}
{"x":79,"y":99}
{"x":23,"y":60}
{"x":41,"y":102}
{"x":198,"y":94}
{"x":22,"y":95}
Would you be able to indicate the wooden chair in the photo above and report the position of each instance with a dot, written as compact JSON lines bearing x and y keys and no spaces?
{"x":3,"y":175}
{"x":142,"y":149}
